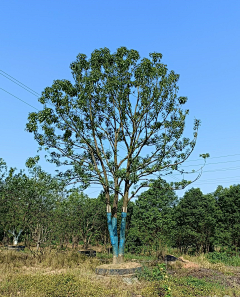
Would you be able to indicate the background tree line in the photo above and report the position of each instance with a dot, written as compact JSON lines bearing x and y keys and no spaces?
{"x":45,"y":212}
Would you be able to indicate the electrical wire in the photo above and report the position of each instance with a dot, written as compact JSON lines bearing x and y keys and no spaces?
{"x":223,"y":180}
{"x":20,"y":84}
{"x":213,"y":158}
{"x":220,"y":178}
{"x":216,"y":182}
{"x":14,"y":80}
{"x":19,"y":99}
{"x":213,"y":163}
{"x":223,"y":169}
{"x":25,"y":87}
{"x":215,"y":170}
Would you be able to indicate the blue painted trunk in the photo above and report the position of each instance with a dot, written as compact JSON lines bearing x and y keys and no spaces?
{"x":122,"y":233}
{"x":112,"y":228}
{"x":112,"y":237}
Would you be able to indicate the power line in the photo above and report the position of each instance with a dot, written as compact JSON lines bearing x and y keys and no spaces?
{"x":221,"y":169}
{"x":220,"y":178}
{"x":14,"y":80}
{"x":25,"y":87}
{"x":19,"y":99}
{"x":214,"y":183}
{"x":214,"y":158}
{"x":26,"y":103}
{"x":218,"y":182}
{"x":215,"y":170}
{"x":121,"y":146}
{"x":213,"y":163}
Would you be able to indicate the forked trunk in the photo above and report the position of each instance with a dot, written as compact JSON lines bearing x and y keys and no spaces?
{"x":118,"y":250}
{"x":15,"y":236}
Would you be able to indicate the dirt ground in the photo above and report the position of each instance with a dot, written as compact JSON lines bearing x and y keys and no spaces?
{"x":230,"y":278}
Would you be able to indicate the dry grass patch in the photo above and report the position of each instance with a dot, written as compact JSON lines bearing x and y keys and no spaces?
{"x":59,"y":274}
{"x":68,"y":274}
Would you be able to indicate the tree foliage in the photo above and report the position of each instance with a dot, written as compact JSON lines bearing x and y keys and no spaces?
{"x":228,"y":201}
{"x":153,"y":216}
{"x":27,"y":202}
{"x":100,"y":124}
{"x":49,"y":214}
{"x":195,"y":221}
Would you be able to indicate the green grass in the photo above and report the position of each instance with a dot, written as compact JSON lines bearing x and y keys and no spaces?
{"x":223,"y":257}
{"x":191,"y":286}
{"x":61,"y":285}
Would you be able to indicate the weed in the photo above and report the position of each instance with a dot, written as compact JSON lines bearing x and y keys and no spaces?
{"x":153,"y":274}
{"x":223,"y":257}
{"x":191,"y":286}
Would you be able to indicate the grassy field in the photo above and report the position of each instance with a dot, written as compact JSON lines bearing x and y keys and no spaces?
{"x":67,"y":273}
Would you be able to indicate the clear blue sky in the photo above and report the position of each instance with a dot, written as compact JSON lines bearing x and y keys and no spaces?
{"x":200,"y":40}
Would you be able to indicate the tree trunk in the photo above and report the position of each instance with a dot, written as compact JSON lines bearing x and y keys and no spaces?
{"x":118,"y":251}
{"x":15,"y":236}
{"x":111,"y":233}
{"x":63,"y":241}
{"x":85,"y":244}
{"x":122,"y":236}
{"x":66,"y":241}
{"x":75,"y":240}
{"x":5,"y":239}
{"x":38,"y":245}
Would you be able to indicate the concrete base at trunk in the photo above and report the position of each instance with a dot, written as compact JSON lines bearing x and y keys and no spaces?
{"x":126,"y":268}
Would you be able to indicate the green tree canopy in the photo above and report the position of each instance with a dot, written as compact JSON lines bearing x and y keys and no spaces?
{"x":27,"y":202}
{"x":228,"y":200}
{"x":152,"y":217}
{"x":196,"y":218}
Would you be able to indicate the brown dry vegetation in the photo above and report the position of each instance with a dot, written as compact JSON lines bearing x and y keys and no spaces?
{"x":67,"y":273}
{"x":58,"y":274}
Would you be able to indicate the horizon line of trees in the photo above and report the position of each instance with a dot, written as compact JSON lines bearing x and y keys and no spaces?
{"x":39,"y":210}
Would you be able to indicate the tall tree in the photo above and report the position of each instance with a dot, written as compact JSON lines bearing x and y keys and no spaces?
{"x":120,"y":121}
{"x":228,"y":200}
{"x":196,"y":217}
{"x":152,"y":217}
{"x":26,"y":203}
{"x":84,"y":212}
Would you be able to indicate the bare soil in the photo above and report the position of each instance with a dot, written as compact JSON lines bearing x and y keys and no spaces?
{"x":188,"y":264}
{"x":230,"y":279}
